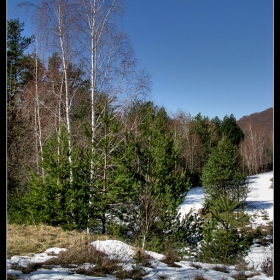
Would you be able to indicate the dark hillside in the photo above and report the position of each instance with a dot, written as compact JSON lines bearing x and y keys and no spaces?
{"x":262,"y":121}
{"x":257,"y":147}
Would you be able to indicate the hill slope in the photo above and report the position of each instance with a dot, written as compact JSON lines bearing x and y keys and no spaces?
{"x":262,"y":121}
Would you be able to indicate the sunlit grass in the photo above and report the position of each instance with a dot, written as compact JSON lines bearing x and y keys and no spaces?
{"x":26,"y":239}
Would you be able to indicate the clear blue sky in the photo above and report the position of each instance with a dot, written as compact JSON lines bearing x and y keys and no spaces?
{"x":213,"y":57}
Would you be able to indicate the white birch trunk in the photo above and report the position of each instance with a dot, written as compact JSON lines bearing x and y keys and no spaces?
{"x":38,"y":111}
{"x":67,"y":104}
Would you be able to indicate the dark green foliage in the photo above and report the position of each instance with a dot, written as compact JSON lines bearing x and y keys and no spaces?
{"x":225,"y":188}
{"x":108,"y":183}
{"x":225,"y":247}
{"x":223,"y":242}
{"x":202,"y":127}
{"x":230,"y":129}
{"x":54,"y":199}
{"x":184,"y":233}
{"x":18,"y":70}
{"x":199,"y":136}
{"x":189,"y":231}
{"x":222,"y":174}
{"x":157,"y":188}
{"x":203,"y":136}
{"x":18,"y":155}
{"x":17,"y":63}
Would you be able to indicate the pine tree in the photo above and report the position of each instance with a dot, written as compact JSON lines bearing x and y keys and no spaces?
{"x":158,"y":189}
{"x":225,"y":188}
{"x":222,"y":174}
{"x":230,"y":129}
{"x":54,"y":199}
{"x":18,"y":74}
{"x":223,"y":242}
{"x":16,"y":63}
{"x":108,"y":192}
{"x":202,"y":134}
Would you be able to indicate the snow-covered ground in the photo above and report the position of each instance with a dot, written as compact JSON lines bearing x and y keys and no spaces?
{"x":259,"y":201}
{"x":260,"y":198}
{"x":260,"y":207}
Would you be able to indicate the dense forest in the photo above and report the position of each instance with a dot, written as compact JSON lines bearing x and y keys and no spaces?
{"x":83,"y":139}
{"x":257,"y":147}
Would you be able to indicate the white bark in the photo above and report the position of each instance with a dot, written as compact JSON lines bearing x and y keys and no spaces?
{"x":37,"y":112}
{"x":111,"y":58}
{"x":61,"y":17}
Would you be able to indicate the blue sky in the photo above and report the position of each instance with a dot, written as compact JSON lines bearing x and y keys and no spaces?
{"x":210,"y":57}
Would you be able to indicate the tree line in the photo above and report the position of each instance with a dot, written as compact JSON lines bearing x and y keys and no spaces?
{"x":87,"y":151}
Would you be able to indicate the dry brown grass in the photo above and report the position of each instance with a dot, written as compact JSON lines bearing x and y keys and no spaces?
{"x":240,"y":275}
{"x":171,"y":257}
{"x":199,"y":276}
{"x":82,"y":252}
{"x":242,"y":266}
{"x":267,"y":264}
{"x":25,"y":239}
{"x":195,"y":265}
{"x":221,"y":268}
{"x":142,"y":257}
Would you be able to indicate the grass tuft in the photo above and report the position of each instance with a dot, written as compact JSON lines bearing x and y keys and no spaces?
{"x":199,"y":276}
{"x":171,"y":257}
{"x":240,"y":275}
{"x":23,"y":239}
{"x":80,"y":256}
{"x":221,"y":268}
{"x":197,"y":266}
{"x":141,"y":257}
{"x":267,"y":264}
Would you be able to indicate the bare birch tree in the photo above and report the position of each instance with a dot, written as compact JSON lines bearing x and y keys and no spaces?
{"x":108,"y":58}
{"x":255,"y":150}
{"x":112,"y":65}
{"x":91,"y":33}
{"x":55,"y":20}
{"x":32,"y":101}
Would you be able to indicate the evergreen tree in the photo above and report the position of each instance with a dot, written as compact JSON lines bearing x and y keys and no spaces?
{"x":223,"y":241}
{"x":230,"y":129}
{"x":225,"y":188}
{"x":18,"y":137}
{"x":108,"y":192}
{"x":222,"y":174}
{"x":17,"y":62}
{"x":202,"y":126}
{"x":53,"y":199}
{"x":158,"y":189}
{"x":189,"y":231}
{"x":204,"y":137}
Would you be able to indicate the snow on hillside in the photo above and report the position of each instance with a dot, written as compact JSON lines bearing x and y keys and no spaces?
{"x":259,"y":200}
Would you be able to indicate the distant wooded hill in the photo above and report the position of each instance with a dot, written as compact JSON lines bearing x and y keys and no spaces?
{"x":262,"y":121}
